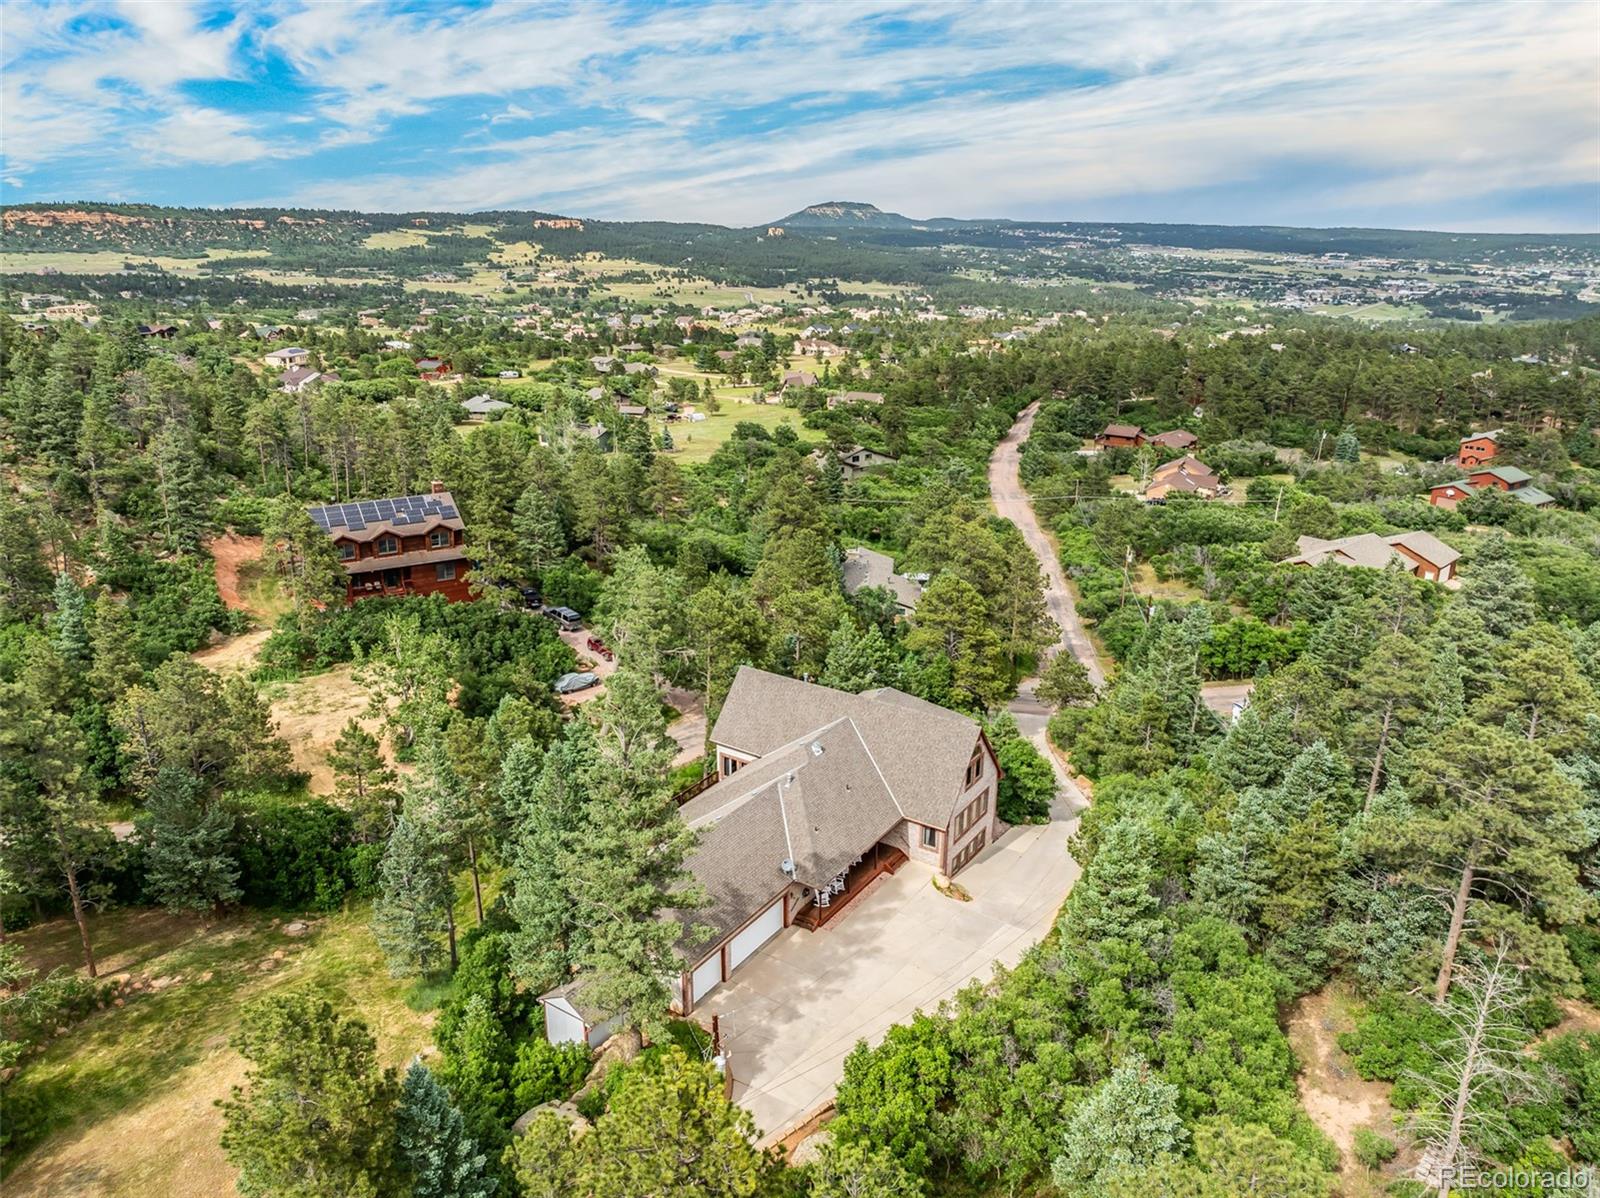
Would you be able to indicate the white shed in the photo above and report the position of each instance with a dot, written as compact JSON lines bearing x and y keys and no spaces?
{"x":569,"y":1020}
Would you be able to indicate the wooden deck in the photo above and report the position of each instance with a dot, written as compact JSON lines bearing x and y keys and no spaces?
{"x":883,"y":859}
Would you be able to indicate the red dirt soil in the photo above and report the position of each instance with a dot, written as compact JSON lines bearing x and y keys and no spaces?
{"x":229,"y":552}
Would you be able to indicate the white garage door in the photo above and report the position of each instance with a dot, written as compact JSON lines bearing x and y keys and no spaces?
{"x":767,"y":925}
{"x":706,"y":975}
{"x":562,"y":1027}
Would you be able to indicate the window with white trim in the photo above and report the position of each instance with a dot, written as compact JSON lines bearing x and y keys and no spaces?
{"x":444,"y":571}
{"x":930,"y":838}
{"x":388,"y":545}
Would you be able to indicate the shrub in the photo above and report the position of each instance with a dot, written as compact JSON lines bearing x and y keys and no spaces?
{"x":544,"y":1072}
{"x":297,"y":853}
{"x":1373,"y":1150}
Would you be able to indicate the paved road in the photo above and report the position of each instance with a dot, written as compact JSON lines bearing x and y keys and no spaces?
{"x":1011,"y":501}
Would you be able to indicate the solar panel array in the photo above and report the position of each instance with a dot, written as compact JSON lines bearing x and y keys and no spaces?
{"x":408,"y":509}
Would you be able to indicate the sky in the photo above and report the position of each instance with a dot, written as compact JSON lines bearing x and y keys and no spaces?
{"x":1418,"y":115}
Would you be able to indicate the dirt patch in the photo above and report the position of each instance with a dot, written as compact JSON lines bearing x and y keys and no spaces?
{"x":312,"y":711}
{"x":236,"y":653}
{"x":1332,"y":1093}
{"x":230,"y":553}
{"x":1577,"y":1017}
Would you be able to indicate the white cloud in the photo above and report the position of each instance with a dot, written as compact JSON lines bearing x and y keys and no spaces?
{"x":728,"y":111}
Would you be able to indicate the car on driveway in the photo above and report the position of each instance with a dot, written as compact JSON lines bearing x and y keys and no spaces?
{"x":599,"y":648}
{"x":571,"y":684}
{"x":566,"y":619}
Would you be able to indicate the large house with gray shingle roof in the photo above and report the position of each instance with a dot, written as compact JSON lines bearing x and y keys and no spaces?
{"x":818,"y":792}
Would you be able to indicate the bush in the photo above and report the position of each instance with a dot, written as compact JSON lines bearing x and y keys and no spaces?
{"x":245,"y":514}
{"x":1373,"y":1150}
{"x":298,"y":854}
{"x":1390,"y":1043}
{"x":544,"y":1072}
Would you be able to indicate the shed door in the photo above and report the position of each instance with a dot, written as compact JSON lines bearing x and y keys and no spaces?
{"x":706,"y":976}
{"x":767,"y":925}
{"x":562,"y":1026}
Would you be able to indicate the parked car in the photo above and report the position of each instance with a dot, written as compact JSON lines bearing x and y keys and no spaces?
{"x":531,"y":596}
{"x":571,"y":684}
{"x":598,"y":647}
{"x":566,"y":619}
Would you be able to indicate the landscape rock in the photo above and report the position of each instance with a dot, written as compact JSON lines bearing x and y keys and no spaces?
{"x":298,"y":928}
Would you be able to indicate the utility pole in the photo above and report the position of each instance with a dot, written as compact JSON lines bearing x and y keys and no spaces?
{"x":1278,"y":506}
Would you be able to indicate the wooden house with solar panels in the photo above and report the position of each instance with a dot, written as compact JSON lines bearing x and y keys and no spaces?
{"x":412,"y":545}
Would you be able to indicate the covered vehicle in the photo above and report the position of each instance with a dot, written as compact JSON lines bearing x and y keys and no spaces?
{"x":571,"y":684}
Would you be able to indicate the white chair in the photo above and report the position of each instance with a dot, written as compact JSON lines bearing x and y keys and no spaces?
{"x":823,"y":898}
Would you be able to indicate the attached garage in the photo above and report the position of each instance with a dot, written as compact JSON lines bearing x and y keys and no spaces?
{"x":760,"y":930}
{"x":706,"y":976}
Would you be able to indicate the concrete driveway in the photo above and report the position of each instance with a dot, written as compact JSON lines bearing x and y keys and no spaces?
{"x":794,"y":1010}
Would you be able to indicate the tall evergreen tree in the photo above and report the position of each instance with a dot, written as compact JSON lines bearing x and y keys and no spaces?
{"x":415,"y":906}
{"x":442,"y":1160}
{"x":188,"y":835}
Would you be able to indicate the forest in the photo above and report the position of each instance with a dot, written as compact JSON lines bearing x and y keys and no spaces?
{"x":1406,"y":813}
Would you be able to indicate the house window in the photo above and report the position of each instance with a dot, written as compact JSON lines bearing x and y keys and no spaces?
{"x":346,"y":552}
{"x":438,"y":538}
{"x":974,"y":769}
{"x":729,"y":767}
{"x":388,"y":545}
{"x":930,"y":838}
{"x":444,"y":571}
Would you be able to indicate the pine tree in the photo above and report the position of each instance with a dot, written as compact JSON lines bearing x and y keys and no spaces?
{"x":1347,"y":447}
{"x":1064,"y":682}
{"x":541,"y":540}
{"x":416,"y":898}
{"x":859,"y":660}
{"x":1493,"y":825}
{"x":477,"y":1069}
{"x":181,"y":485}
{"x":544,"y":796}
{"x":1130,"y":1121}
{"x":68,"y":631}
{"x":952,"y":621}
{"x":1541,"y":692}
{"x":188,"y":843}
{"x":1256,"y":748}
{"x":442,"y":1159}
{"x":363,"y":781}
{"x":305,"y":561}
{"x":1387,"y":699}
{"x":1115,"y":898}
{"x":316,"y":1116}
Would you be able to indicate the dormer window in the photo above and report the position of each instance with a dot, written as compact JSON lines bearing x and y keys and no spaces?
{"x":974,"y":768}
{"x":347,"y":551}
{"x":439,"y":538}
{"x":388,"y":545}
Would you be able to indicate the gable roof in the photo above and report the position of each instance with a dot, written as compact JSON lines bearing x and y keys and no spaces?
{"x":1122,"y":430}
{"x":1426,"y":546}
{"x":1510,"y":475}
{"x":1492,"y":435}
{"x":920,"y":748}
{"x":818,"y":803}
{"x":1533,"y":496}
{"x":366,"y":519}
{"x":1178,"y":438}
{"x":863,"y":567}
{"x":1372,"y":551}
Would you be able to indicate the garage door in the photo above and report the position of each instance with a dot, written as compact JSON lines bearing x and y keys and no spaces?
{"x":767,"y":925}
{"x":706,"y":975}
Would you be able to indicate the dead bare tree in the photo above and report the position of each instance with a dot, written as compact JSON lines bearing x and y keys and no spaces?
{"x":1481,"y":1071}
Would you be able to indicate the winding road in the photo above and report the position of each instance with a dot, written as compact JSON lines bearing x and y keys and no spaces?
{"x":1011,"y":501}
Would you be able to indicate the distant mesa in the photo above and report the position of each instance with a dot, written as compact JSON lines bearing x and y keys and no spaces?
{"x":851,"y":214}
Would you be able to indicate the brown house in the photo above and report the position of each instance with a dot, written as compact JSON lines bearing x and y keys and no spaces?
{"x":819,"y":791}
{"x":1478,"y":448}
{"x":1120,"y":436}
{"x":1179,"y":438}
{"x":1187,"y":475}
{"x":411,"y":545}
{"x":1516,"y":483}
{"x":1419,"y":553}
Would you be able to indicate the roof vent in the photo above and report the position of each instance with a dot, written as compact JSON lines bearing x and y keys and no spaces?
{"x":816,"y":748}
{"x":787,"y":866}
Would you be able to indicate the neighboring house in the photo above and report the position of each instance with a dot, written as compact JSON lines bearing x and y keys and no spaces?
{"x":844,"y":397}
{"x":299,"y":378}
{"x":747,"y":341}
{"x":410,"y":545}
{"x":799,"y":378}
{"x":598,"y":433}
{"x":857,"y":460}
{"x":864,"y":567}
{"x":632,"y":409}
{"x":291,"y":356}
{"x":164,"y":331}
{"x":1516,"y":483}
{"x":1479,"y":448}
{"x":726,"y":355}
{"x":481,"y":407}
{"x":818,"y":792}
{"x":433,"y":369}
{"x":638,"y":368}
{"x":602,"y":364}
{"x":1179,"y":438}
{"x":810,"y":345}
{"x":1420,"y":553}
{"x":1120,"y":436}
{"x":1183,"y":476}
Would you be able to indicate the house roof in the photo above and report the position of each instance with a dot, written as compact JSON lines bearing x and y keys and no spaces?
{"x":818,"y":802}
{"x":857,"y":397}
{"x":1122,"y":430}
{"x":287,"y":352}
{"x":296,"y":375}
{"x":365,"y":519}
{"x":1178,"y":438}
{"x":1426,"y":546}
{"x":1533,"y":497}
{"x":1372,"y":551}
{"x":864,"y":567}
{"x":1509,"y":475}
{"x":920,"y":748}
{"x":482,"y":405}
{"x":1492,"y":435}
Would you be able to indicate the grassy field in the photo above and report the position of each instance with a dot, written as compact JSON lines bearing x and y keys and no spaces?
{"x":133,"y":1089}
{"x":99,"y":262}
{"x":697,"y":442}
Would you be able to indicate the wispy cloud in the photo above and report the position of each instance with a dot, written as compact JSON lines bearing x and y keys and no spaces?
{"x":1429,"y":112}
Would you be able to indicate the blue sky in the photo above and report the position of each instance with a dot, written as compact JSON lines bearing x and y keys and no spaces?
{"x":1434,"y":115}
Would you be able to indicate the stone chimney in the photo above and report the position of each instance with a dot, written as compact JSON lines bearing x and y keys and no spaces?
{"x":437,"y":487}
